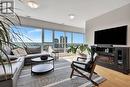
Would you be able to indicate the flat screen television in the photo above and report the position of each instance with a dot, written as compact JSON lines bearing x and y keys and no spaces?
{"x":113,"y":36}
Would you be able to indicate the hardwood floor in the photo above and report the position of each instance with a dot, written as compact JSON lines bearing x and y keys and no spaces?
{"x":114,"y":78}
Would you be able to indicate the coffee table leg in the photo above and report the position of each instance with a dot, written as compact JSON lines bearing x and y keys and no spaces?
{"x":53,"y":65}
{"x":31,"y":67}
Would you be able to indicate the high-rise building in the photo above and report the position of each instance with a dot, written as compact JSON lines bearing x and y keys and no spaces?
{"x":56,"y":43}
{"x":63,"y":40}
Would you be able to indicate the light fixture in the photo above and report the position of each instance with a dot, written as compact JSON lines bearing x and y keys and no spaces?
{"x":32,"y":4}
{"x":71,"y":16}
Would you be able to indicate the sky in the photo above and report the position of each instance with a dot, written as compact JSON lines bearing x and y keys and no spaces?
{"x":30,"y":34}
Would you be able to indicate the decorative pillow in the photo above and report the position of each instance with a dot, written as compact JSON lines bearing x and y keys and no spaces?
{"x":19,"y":52}
{"x":7,"y":49}
{"x":15,"y":52}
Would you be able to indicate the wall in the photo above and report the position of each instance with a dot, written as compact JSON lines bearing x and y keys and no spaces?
{"x":118,"y":17}
{"x":45,"y":24}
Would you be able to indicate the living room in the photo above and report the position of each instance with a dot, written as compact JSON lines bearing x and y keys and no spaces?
{"x":59,"y":35}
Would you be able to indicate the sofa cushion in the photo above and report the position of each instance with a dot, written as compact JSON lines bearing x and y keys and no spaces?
{"x":34,"y":55}
{"x":33,"y":50}
{"x":15,"y":66}
{"x":13,"y":57}
{"x":9,"y":73}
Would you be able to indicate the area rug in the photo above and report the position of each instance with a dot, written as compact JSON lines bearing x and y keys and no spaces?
{"x":60,"y":77}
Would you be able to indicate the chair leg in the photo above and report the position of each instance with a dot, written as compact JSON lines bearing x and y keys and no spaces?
{"x":95,"y":73}
{"x":72,"y":73}
{"x":89,"y":78}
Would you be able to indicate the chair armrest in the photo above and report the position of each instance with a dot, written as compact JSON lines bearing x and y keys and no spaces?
{"x":83,"y":63}
{"x":81,"y":58}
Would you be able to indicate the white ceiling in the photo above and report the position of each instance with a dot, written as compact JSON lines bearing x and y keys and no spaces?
{"x":57,"y":11}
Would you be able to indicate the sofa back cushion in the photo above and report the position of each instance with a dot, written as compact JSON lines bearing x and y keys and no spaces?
{"x":33,"y":50}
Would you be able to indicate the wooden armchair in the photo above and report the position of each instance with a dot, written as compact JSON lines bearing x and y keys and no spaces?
{"x":87,"y":66}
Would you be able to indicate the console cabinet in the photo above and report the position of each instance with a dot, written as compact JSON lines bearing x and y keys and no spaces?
{"x":116,"y":58}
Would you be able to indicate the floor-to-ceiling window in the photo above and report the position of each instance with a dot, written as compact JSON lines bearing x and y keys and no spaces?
{"x":29,"y":35}
{"x":59,"y":39}
{"x":69,"y":39}
{"x":47,"y":38}
{"x":44,"y":37}
{"x":78,"y":38}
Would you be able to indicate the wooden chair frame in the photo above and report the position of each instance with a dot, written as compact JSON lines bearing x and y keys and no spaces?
{"x":91,"y":71}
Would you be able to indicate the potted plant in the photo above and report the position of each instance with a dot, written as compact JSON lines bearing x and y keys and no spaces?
{"x":5,"y":39}
{"x":84,"y":50}
{"x":72,"y":49}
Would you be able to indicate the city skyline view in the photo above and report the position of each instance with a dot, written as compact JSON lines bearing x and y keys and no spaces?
{"x":30,"y":34}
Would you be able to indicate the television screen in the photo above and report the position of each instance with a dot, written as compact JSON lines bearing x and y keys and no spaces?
{"x":114,"y":36}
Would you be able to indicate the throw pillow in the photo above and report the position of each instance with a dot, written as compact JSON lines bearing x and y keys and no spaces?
{"x":7,"y":49}
{"x":19,"y":52}
{"x":15,"y":52}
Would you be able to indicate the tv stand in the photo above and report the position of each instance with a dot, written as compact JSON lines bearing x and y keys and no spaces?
{"x":116,"y":58}
{"x":106,"y":45}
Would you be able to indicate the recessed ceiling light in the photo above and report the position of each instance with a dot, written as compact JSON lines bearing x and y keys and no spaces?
{"x":32,"y":4}
{"x":71,"y":16}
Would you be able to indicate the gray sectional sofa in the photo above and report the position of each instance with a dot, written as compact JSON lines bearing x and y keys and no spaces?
{"x":12,"y":75}
{"x":16,"y":68}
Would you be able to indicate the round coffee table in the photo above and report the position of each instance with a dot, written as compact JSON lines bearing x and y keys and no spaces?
{"x":42,"y":66}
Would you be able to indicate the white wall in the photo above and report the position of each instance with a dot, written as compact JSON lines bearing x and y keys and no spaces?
{"x":118,"y":17}
{"x":45,"y":24}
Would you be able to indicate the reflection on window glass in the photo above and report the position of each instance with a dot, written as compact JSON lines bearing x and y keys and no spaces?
{"x":59,"y":39}
{"x":78,"y":38}
{"x":27,"y":34}
{"x":69,"y":36}
{"x":48,"y":36}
